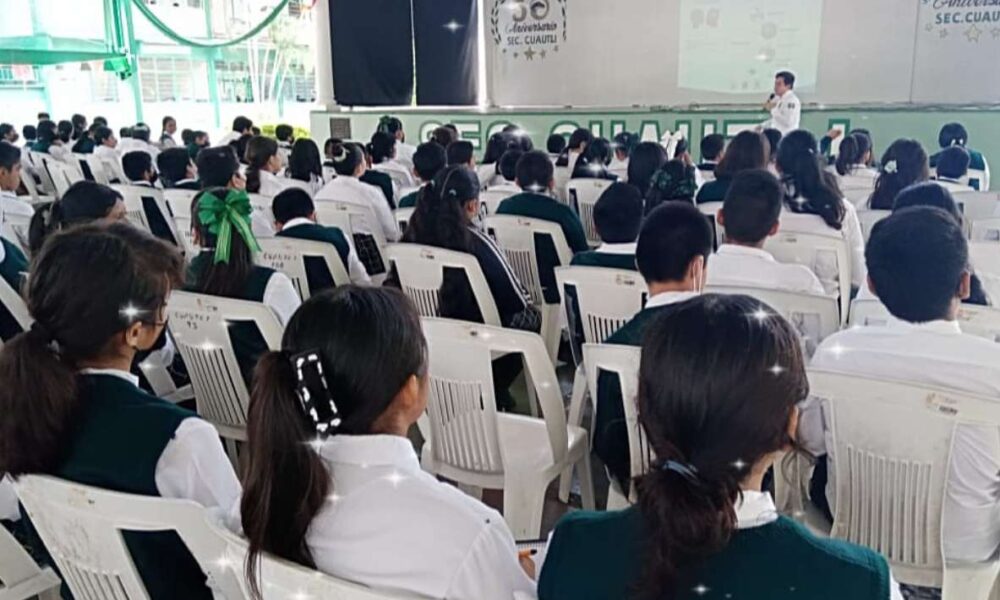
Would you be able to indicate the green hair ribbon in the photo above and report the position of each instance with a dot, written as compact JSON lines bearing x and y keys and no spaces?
{"x":222,"y":216}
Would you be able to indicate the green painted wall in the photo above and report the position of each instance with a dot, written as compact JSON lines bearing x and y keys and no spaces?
{"x":886,"y":124}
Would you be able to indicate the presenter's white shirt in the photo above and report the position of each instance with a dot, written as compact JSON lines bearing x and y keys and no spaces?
{"x":935,"y":354}
{"x":743,"y":266}
{"x":355,"y":191}
{"x":391,"y":526}
{"x":850,"y":230}
{"x":786,"y":114}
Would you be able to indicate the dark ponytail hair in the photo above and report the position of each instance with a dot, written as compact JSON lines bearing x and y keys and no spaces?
{"x":345,"y":157}
{"x":440,"y":217}
{"x":647,"y":158}
{"x":79,"y":286}
{"x":83,"y":202}
{"x":804,"y":176}
{"x":382,"y":147}
{"x":370,"y":343}
{"x":498,"y":145}
{"x":259,"y":151}
{"x":226,"y":279}
{"x":304,"y":161}
{"x":852,"y":152}
{"x":903,"y":164}
{"x":707,"y":433}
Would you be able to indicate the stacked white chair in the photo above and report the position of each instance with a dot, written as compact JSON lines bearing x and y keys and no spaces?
{"x":199,"y":327}
{"x":583,"y":195}
{"x":516,"y":237}
{"x":622,"y":361}
{"x":471,"y":443}
{"x":82,"y":526}
{"x":288,"y":255}
{"x":893,"y":443}
{"x":828,"y":256}
{"x":421,"y":274}
{"x":20,"y":577}
{"x":814,"y":316}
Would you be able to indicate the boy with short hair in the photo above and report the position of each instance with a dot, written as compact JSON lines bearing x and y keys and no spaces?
{"x":428,"y":161}
{"x":617,"y":218}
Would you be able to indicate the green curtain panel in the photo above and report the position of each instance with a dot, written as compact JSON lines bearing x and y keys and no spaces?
{"x":173,"y":35}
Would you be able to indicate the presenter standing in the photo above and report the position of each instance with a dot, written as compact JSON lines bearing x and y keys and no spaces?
{"x":786,"y":110}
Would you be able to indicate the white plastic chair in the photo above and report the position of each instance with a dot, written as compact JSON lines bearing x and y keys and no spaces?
{"x":471,"y":443}
{"x":868,"y":218}
{"x":179,"y":201}
{"x":490,"y":200}
{"x":62,"y":175}
{"x":711,"y":210}
{"x":403,"y":216}
{"x":288,"y":255}
{"x":198,"y":326}
{"x":814,"y":316}
{"x":562,"y":176}
{"x":81,"y":528}
{"x":14,"y":304}
{"x":15,"y":230}
{"x":892,"y":442}
{"x":37,"y":164}
{"x":977,"y":205}
{"x":983,"y":177}
{"x":980,"y":321}
{"x":623,"y":361}
{"x":20,"y":577}
{"x":136,"y":210}
{"x":89,"y":162}
{"x":356,"y":219}
{"x":421,"y":273}
{"x":583,"y":195}
{"x":37,"y":196}
{"x":828,"y":256}
{"x":985,"y":259}
{"x":516,"y":237}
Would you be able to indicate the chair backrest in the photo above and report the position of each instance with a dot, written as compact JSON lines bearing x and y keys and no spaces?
{"x":61,"y":174}
{"x":139,"y":214}
{"x":20,"y":576}
{"x":561,"y":176}
{"x":421,"y":274}
{"x":980,"y":321}
{"x":979,"y":178}
{"x":403,"y":216}
{"x":827,"y":255}
{"x":285,"y":580}
{"x":583,"y":195}
{"x":14,"y":304}
{"x":198,"y":326}
{"x":711,"y":210}
{"x":288,"y":255}
{"x":977,"y":205}
{"x":35,"y":160}
{"x":868,"y":218}
{"x":490,"y":199}
{"x":93,"y":164}
{"x":14,"y":229}
{"x":623,"y":361}
{"x":814,"y":316}
{"x":179,"y":201}
{"x":985,"y":259}
{"x":115,"y":170}
{"x":892,"y":446}
{"x":462,"y":406}
{"x":516,"y":237}
{"x":37,"y":196}
{"x":82,"y":526}
{"x":857,"y":189}
{"x":354,"y":219}
{"x":606,"y":299}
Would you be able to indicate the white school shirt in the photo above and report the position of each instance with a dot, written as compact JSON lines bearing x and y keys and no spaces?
{"x":280,"y":296}
{"x":63,"y":153}
{"x":134,"y":145}
{"x":489,"y":175}
{"x":620,"y":249}
{"x":107,"y":154}
{"x":786,"y":114}
{"x":505,"y":187}
{"x":405,"y":152}
{"x":352,"y":189}
{"x":10,"y":204}
{"x":401,"y":170}
{"x":355,"y":269}
{"x":389,"y":525}
{"x":953,"y":185}
{"x":743,"y":266}
{"x":229,"y":138}
{"x":271,"y":185}
{"x":850,"y":230}
{"x":935,"y":354}
{"x":619,"y":168}
{"x":756,"y":509}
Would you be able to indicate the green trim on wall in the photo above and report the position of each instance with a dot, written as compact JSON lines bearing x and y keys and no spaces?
{"x":727,"y":122}
{"x":617,"y":126}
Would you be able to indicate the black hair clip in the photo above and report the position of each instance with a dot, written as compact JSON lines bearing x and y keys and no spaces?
{"x":314,"y":394}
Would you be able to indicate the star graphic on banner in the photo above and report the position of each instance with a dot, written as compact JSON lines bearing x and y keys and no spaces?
{"x":529,"y":54}
{"x":556,"y":49}
{"x":973,"y":33}
{"x":943,"y":33}
{"x":542,"y":53}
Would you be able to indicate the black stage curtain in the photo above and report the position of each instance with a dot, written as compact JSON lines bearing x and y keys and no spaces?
{"x":447,"y":51}
{"x":372,"y":52}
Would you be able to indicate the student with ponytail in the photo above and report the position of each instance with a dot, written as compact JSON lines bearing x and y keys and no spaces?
{"x":349,"y":161}
{"x":394,"y":127}
{"x":903,"y":164}
{"x":383,"y":149}
{"x":854,"y":156}
{"x":263,"y":166}
{"x":71,"y":408}
{"x":814,"y":204}
{"x":83,"y":202}
{"x":333,"y":483}
{"x":702,"y":524}
{"x":222,"y":229}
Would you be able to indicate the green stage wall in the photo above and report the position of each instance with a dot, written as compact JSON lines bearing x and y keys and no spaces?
{"x":886,"y":124}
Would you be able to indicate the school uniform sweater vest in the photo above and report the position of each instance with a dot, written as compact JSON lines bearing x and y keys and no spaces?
{"x":410,"y":200}
{"x":606,"y":260}
{"x":536,"y":206}
{"x":714,"y":191}
{"x":11,"y":269}
{"x":382,"y":182}
{"x":610,"y":430}
{"x":598,"y":556}
{"x":317,"y":273}
{"x":115,"y":443}
{"x":976,"y":163}
{"x":248,"y":343}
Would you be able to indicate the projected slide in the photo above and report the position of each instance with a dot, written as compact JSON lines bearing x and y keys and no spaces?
{"x":736,"y":46}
